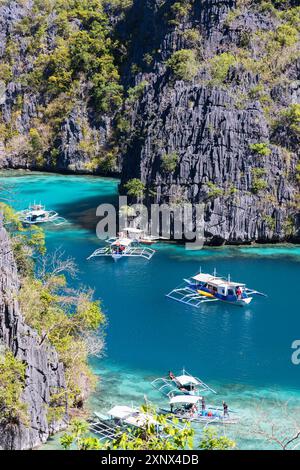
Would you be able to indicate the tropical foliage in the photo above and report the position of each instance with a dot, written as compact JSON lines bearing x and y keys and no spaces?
{"x":169,"y":437}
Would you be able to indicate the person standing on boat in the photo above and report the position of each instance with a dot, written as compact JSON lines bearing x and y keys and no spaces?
{"x":171,"y":375}
{"x":203,"y":404}
{"x":238,"y":292}
{"x":225,"y":409}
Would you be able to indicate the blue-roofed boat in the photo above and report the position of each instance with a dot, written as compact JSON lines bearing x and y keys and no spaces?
{"x":211,"y":288}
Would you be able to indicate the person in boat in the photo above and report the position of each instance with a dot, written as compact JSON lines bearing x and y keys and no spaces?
{"x":171,"y":376}
{"x":194,"y":409}
{"x":225,"y":409}
{"x":203,"y":404}
{"x":238,"y":292}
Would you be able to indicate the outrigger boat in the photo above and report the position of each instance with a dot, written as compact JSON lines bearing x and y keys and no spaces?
{"x":180,"y":384}
{"x":123,"y":247}
{"x":189,"y":408}
{"x":211,"y":288}
{"x":37,"y":214}
{"x":123,"y":418}
{"x":138,"y":235}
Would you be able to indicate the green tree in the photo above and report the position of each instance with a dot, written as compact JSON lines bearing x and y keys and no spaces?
{"x":169,"y":162}
{"x":135,"y":188}
{"x":220,"y":66}
{"x":211,"y":441}
{"x":183,"y":64}
{"x":12,"y":382}
{"x":260,"y":148}
{"x":170,"y":437}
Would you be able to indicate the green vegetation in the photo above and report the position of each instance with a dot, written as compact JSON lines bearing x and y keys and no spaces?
{"x":214,"y":191}
{"x":260,"y":148}
{"x":288,"y":227}
{"x":12,"y":382}
{"x":85,"y":51}
{"x":184,"y":64}
{"x":136,"y":92}
{"x":67,"y":319}
{"x":286,"y":35}
{"x":26,"y":242}
{"x":80,"y":66}
{"x":291,"y":119}
{"x":298,"y":172}
{"x":179,"y":10}
{"x":258,"y":182}
{"x":169,"y":162}
{"x":270,"y":221}
{"x":220,"y":66}
{"x":135,"y":188}
{"x":147,"y":438}
{"x":193,"y":37}
{"x":68,"y":323}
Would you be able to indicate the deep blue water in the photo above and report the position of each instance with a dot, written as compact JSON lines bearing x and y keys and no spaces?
{"x":245,"y":353}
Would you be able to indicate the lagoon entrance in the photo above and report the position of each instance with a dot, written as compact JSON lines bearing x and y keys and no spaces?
{"x":244,"y":354}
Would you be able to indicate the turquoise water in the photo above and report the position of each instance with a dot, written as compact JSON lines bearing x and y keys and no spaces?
{"x":245,"y":354}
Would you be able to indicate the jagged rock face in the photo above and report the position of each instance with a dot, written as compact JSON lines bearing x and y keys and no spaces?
{"x":210,"y":130}
{"x":44,"y":373}
{"x":79,"y":119}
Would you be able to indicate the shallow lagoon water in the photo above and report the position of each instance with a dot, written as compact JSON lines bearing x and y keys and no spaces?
{"x":244,"y":353}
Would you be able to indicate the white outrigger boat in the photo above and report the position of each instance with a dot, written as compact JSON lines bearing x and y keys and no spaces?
{"x":189,"y":408}
{"x":123,"y":247}
{"x":211,"y":288}
{"x":122,"y":418}
{"x":181,"y":384}
{"x":138,"y":235}
{"x":37,"y":214}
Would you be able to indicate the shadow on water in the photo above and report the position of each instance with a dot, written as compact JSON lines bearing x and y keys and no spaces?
{"x":82,"y":212}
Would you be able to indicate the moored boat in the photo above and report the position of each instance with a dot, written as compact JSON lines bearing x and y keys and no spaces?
{"x":37,"y":214}
{"x":182,"y":383}
{"x":192,"y":408}
{"x":123,"y":247}
{"x":121,"y":418}
{"x":210,"y":288}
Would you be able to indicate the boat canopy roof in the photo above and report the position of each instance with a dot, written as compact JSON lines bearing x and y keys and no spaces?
{"x":122,"y":242}
{"x":121,"y":412}
{"x":38,"y":212}
{"x":187,"y":380}
{"x":131,"y":415}
{"x":132,"y":230}
{"x":215,"y":281}
{"x":193,"y":399}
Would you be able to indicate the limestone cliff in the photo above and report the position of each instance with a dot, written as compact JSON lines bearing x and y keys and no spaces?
{"x":198,"y":99}
{"x":44,"y":373}
{"x":221,"y":126}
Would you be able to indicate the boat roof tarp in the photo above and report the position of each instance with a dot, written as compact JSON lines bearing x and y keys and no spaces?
{"x":187,"y":380}
{"x":216,"y":281}
{"x":132,"y":230}
{"x":185,"y":399}
{"x":122,"y":242}
{"x":131,"y":415}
